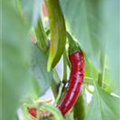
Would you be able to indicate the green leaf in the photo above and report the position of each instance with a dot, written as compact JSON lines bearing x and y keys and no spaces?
{"x":84,"y":20}
{"x":31,"y":9}
{"x":58,"y":33}
{"x":16,"y":79}
{"x":110,"y":11}
{"x":95,"y":24}
{"x":103,"y":106}
{"x":90,"y":70}
{"x":39,"y":70}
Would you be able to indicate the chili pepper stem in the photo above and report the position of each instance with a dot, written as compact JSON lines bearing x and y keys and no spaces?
{"x":73,"y":45}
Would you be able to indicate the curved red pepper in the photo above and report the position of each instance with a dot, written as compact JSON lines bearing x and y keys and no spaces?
{"x":76,"y":79}
{"x":75,"y":82}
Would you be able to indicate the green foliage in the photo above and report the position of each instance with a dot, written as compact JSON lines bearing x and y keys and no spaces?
{"x":31,"y":10}
{"x":96,"y":30}
{"x":111,"y":34}
{"x":93,"y":23}
{"x":84,"y":21}
{"x":54,"y":111}
{"x":58,"y":33}
{"x":15,"y":45}
{"x":39,"y":70}
{"x":41,"y":35}
{"x":103,"y":106}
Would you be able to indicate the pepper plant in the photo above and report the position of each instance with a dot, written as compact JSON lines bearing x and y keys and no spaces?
{"x":84,"y":34}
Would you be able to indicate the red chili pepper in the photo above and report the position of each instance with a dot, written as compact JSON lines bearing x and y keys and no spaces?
{"x":33,"y":112}
{"x":76,"y":79}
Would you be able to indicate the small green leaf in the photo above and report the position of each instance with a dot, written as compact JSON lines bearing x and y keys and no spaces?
{"x":103,"y":106}
{"x":39,"y":70}
{"x":41,"y":35}
{"x":58,"y":32}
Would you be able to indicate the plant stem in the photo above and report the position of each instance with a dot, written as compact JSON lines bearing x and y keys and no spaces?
{"x":59,"y":93}
{"x":102,"y":66}
{"x":64,"y":66}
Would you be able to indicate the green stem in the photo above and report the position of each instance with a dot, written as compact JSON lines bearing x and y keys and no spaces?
{"x":102,"y":65}
{"x":64,"y":66}
{"x":59,"y":93}
{"x":41,"y":35}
